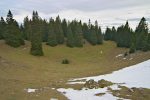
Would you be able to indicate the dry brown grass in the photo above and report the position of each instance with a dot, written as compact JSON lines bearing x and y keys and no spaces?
{"x":20,"y":70}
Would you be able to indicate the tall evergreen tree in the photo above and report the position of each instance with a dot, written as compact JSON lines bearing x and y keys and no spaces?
{"x":114,"y":34}
{"x":77,"y":32}
{"x":27,"y":28}
{"x":108,"y":34}
{"x":98,"y":33}
{"x":36,"y":37}
{"x":51,"y":34}
{"x":59,"y":31}
{"x":99,"y":36}
{"x":64,"y":27}
{"x":141,"y":33}
{"x":13,"y":36}
{"x":93,"y":35}
{"x":2,"y":27}
{"x":148,"y":41}
{"x":70,"y":37}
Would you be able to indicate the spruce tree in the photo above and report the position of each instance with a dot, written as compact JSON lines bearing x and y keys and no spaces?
{"x":108,"y":34}
{"x":99,"y":36}
{"x":148,"y":41}
{"x":93,"y":35}
{"x":70,"y":37}
{"x":51,"y":34}
{"x":141,"y":33}
{"x":36,"y":37}
{"x":59,"y":31}
{"x":98,"y":33}
{"x":13,"y":36}
{"x":27,"y":28}
{"x":64,"y":27}
{"x":77,"y":32}
{"x":2,"y":27}
{"x":114,"y":34}
{"x":44,"y":30}
{"x":85,"y":31}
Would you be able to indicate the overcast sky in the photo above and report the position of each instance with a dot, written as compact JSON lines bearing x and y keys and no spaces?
{"x":107,"y":12}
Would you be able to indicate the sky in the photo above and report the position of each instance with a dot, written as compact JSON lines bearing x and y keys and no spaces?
{"x":107,"y":12}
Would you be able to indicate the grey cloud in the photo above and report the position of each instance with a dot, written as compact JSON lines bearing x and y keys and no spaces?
{"x":54,"y":6}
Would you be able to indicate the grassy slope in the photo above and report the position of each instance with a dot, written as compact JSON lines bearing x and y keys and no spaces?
{"x":20,"y":70}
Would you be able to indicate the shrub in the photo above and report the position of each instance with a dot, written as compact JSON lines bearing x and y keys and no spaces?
{"x":65,"y":61}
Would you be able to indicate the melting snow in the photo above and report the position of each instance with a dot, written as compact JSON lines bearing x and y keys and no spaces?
{"x":134,"y":76}
{"x":120,"y":55}
{"x":29,"y":90}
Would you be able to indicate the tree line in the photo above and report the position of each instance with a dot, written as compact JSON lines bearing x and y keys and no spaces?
{"x":72,"y":33}
{"x":54,"y":32}
{"x":124,"y":36}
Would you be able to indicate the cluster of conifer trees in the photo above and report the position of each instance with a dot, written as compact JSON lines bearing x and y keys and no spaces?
{"x":124,"y":36}
{"x":74,"y":34}
{"x":53,"y":32}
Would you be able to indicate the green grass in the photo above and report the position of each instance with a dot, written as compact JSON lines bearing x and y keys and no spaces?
{"x":20,"y":70}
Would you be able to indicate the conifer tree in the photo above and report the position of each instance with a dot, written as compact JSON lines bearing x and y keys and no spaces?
{"x":108,"y":34}
{"x":98,"y":33}
{"x":70,"y":37}
{"x":59,"y":31}
{"x":93,"y":36}
{"x":148,"y":41}
{"x":27,"y":28}
{"x":77,"y":31}
{"x":13,"y":36}
{"x":36,"y":37}
{"x":64,"y":27}
{"x":44,"y":30}
{"x":85,"y":31}
{"x":2,"y":27}
{"x":141,"y":33}
{"x":51,"y":34}
{"x":99,"y":36}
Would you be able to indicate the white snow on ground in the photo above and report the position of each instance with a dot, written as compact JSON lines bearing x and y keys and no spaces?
{"x":119,"y":55}
{"x":29,"y":90}
{"x":84,"y":94}
{"x":53,"y":99}
{"x":134,"y":76}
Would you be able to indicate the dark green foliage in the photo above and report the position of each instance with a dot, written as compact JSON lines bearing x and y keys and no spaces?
{"x":132,"y":45}
{"x":93,"y":35}
{"x":65,"y":61}
{"x":2,"y":27}
{"x":44,"y":30}
{"x":99,"y":35}
{"x":27,"y":29}
{"x":64,"y":27}
{"x":148,"y":41}
{"x":114,"y":34}
{"x":77,"y":33}
{"x":51,"y":35}
{"x":13,"y":36}
{"x":70,"y":37}
{"x":141,"y":35}
{"x":108,"y":34}
{"x":36,"y":37}
{"x":59,"y":31}
{"x":124,"y":36}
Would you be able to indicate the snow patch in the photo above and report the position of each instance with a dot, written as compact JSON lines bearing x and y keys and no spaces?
{"x":29,"y":90}
{"x":119,"y":55}
{"x":53,"y":99}
{"x":134,"y":76}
